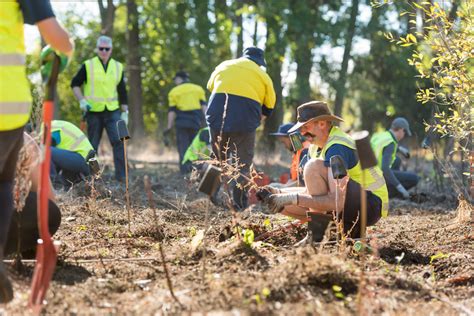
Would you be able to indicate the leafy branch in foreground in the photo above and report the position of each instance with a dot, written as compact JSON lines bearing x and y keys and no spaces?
{"x":443,"y":55}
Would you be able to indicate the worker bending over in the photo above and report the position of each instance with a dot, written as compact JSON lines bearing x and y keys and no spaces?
{"x":385,"y":146}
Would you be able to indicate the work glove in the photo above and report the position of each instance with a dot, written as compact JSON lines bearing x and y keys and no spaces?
{"x":277,"y":202}
{"x":46,"y":60}
{"x":404,"y":151}
{"x":426,"y":143}
{"x":84,"y":105}
{"x":403,"y":191}
{"x":166,"y":137}
{"x":272,"y":189}
{"x":124,"y":116}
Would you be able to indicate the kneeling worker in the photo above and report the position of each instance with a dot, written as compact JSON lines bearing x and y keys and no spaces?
{"x":199,"y":149}
{"x":71,"y":153}
{"x":385,"y":146}
{"x":318,"y":195}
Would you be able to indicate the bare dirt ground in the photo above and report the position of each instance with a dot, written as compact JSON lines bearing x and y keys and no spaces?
{"x":422,"y":262}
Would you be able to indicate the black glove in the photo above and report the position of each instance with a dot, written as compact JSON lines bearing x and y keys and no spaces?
{"x":166,"y":137}
{"x":262,"y":194}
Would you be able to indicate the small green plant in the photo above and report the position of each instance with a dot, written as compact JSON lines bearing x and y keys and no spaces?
{"x":434,"y":258}
{"x":337,"y":290}
{"x":192,"y":231}
{"x":262,"y":296}
{"x":248,"y":237}
{"x":81,"y":228}
{"x":268,"y":224}
{"x":399,"y":260}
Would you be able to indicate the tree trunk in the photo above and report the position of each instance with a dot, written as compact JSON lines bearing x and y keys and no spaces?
{"x":107,"y":15}
{"x":205,"y":47}
{"x":240,"y":34}
{"x":341,"y":83}
{"x":302,"y":26}
{"x":274,"y":51}
{"x":223,"y":31}
{"x":255,"y":30}
{"x":304,"y":61}
{"x":134,"y":71}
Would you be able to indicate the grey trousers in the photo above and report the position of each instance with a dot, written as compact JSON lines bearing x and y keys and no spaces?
{"x":240,"y":147}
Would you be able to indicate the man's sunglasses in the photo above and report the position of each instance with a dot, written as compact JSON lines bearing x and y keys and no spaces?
{"x":104,"y":49}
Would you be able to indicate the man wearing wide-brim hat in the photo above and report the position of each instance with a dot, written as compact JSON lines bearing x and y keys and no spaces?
{"x":316,"y":201}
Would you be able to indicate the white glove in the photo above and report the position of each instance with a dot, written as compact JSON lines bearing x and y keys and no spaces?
{"x":403,"y":191}
{"x":84,"y":105}
{"x":277,"y":202}
{"x":124,"y":116}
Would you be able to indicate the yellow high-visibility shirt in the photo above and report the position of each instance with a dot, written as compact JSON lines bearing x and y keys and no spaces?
{"x":187,"y":97}
{"x":243,"y":77}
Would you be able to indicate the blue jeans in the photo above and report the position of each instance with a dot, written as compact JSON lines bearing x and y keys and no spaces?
{"x":96,"y":122}
{"x":70,"y":163}
{"x":184,"y":138}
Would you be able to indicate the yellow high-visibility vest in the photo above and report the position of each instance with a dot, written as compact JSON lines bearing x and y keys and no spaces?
{"x":72,"y":138}
{"x":381,"y":140}
{"x":374,"y":180}
{"x":100,"y":89}
{"x":15,"y":97}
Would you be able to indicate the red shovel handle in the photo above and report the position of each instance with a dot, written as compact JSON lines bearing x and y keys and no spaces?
{"x":46,"y":253}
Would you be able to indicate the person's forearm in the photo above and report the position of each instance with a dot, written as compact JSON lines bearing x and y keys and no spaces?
{"x":323,"y":203}
{"x":56,"y":36}
{"x":171,"y":118}
{"x":78,"y":93}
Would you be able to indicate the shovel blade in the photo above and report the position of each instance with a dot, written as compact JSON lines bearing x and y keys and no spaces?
{"x":122,"y":130}
{"x":46,"y":256}
{"x":211,"y":180}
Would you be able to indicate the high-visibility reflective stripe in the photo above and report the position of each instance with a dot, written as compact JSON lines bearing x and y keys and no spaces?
{"x":341,"y":139}
{"x":379,"y":180}
{"x":12,"y":59}
{"x":92,"y":84}
{"x":77,"y":142}
{"x":14,"y":107}
{"x":117,"y":73}
{"x":102,"y":99}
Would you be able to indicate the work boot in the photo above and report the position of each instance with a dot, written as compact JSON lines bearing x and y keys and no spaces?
{"x":318,"y":225}
{"x":6,"y":290}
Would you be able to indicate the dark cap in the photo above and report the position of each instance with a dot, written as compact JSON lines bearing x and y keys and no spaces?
{"x":283,"y":129}
{"x":401,"y":123}
{"x":313,"y":111}
{"x":181,"y":74}
{"x":255,"y":54}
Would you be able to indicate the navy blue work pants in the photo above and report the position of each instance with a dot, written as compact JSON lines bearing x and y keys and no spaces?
{"x":96,"y":123}
{"x":10,"y":143}
{"x":70,"y":163}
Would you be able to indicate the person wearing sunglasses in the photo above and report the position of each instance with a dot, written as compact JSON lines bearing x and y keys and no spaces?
{"x":385,"y":146}
{"x":104,"y":95}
